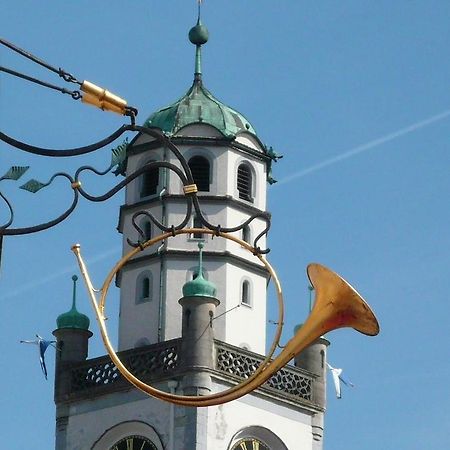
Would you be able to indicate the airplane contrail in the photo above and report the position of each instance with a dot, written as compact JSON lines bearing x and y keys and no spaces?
{"x":65,"y":271}
{"x":367,"y":146}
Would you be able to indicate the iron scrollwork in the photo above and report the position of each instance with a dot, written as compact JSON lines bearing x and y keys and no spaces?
{"x":118,"y":158}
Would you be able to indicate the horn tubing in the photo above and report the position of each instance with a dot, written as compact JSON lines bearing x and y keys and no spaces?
{"x":337,"y":305}
{"x":208,"y":400}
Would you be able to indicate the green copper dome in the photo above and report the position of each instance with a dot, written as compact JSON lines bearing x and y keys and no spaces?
{"x":199,"y":287}
{"x":198,"y":105}
{"x":73,"y":318}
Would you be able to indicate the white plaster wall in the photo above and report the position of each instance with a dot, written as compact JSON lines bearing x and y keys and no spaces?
{"x":248,"y":140}
{"x":291,"y":425}
{"x":216,"y":214}
{"x":129,"y":231}
{"x":245,"y":326}
{"x":88,"y":421}
{"x":140,"y":320}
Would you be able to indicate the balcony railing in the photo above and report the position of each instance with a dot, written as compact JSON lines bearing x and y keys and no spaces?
{"x":161,"y":361}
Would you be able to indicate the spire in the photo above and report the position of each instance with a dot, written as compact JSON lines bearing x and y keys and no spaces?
{"x":74,"y":293}
{"x":199,"y":287}
{"x":200,"y":258}
{"x":73,"y":318}
{"x":198,"y":35}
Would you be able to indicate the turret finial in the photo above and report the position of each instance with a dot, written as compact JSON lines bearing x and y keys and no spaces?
{"x":74,"y":292}
{"x":200,"y":259}
{"x":198,"y":35}
{"x":199,"y":287}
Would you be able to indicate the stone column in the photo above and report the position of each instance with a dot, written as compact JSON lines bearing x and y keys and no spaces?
{"x":314,"y":360}
{"x":197,"y":343}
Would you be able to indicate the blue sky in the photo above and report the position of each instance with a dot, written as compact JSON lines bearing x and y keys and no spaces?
{"x":355,"y":94}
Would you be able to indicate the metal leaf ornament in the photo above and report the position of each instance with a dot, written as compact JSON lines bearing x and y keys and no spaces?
{"x":33,"y":186}
{"x":118,"y":156}
{"x":15,"y":172}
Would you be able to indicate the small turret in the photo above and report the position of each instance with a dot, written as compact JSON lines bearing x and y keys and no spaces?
{"x":72,"y":335}
{"x":314,"y":360}
{"x":199,"y":303}
{"x":73,"y":318}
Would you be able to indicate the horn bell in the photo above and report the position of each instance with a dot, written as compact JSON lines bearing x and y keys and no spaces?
{"x":335,"y":294}
{"x":337,"y":305}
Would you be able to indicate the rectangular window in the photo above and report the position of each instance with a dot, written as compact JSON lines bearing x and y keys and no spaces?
{"x":150,"y":182}
{"x":197,"y":223}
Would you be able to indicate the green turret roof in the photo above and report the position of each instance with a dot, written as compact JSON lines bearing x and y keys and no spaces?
{"x":73,"y":318}
{"x":198,"y":105}
{"x":199,"y":287}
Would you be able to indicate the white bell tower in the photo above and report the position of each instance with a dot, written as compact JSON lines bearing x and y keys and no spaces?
{"x":229,"y":166}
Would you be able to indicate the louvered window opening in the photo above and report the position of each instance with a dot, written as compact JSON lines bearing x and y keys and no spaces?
{"x":244,"y":182}
{"x":200,"y":172}
{"x":150,"y":181}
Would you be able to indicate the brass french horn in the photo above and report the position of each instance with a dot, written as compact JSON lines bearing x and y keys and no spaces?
{"x":337,"y":305}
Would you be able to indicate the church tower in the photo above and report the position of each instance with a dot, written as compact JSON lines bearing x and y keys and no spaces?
{"x":229,"y":166}
{"x":186,"y":302}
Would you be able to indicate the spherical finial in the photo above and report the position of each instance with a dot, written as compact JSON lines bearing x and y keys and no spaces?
{"x":74,"y":278}
{"x":201,"y":245}
{"x":199,"y":34}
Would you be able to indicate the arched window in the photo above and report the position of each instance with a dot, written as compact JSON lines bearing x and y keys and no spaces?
{"x":245,"y":293}
{"x":150,"y":181}
{"x":246,"y":234}
{"x":244,"y":182}
{"x":200,"y":169}
{"x":144,"y":286}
